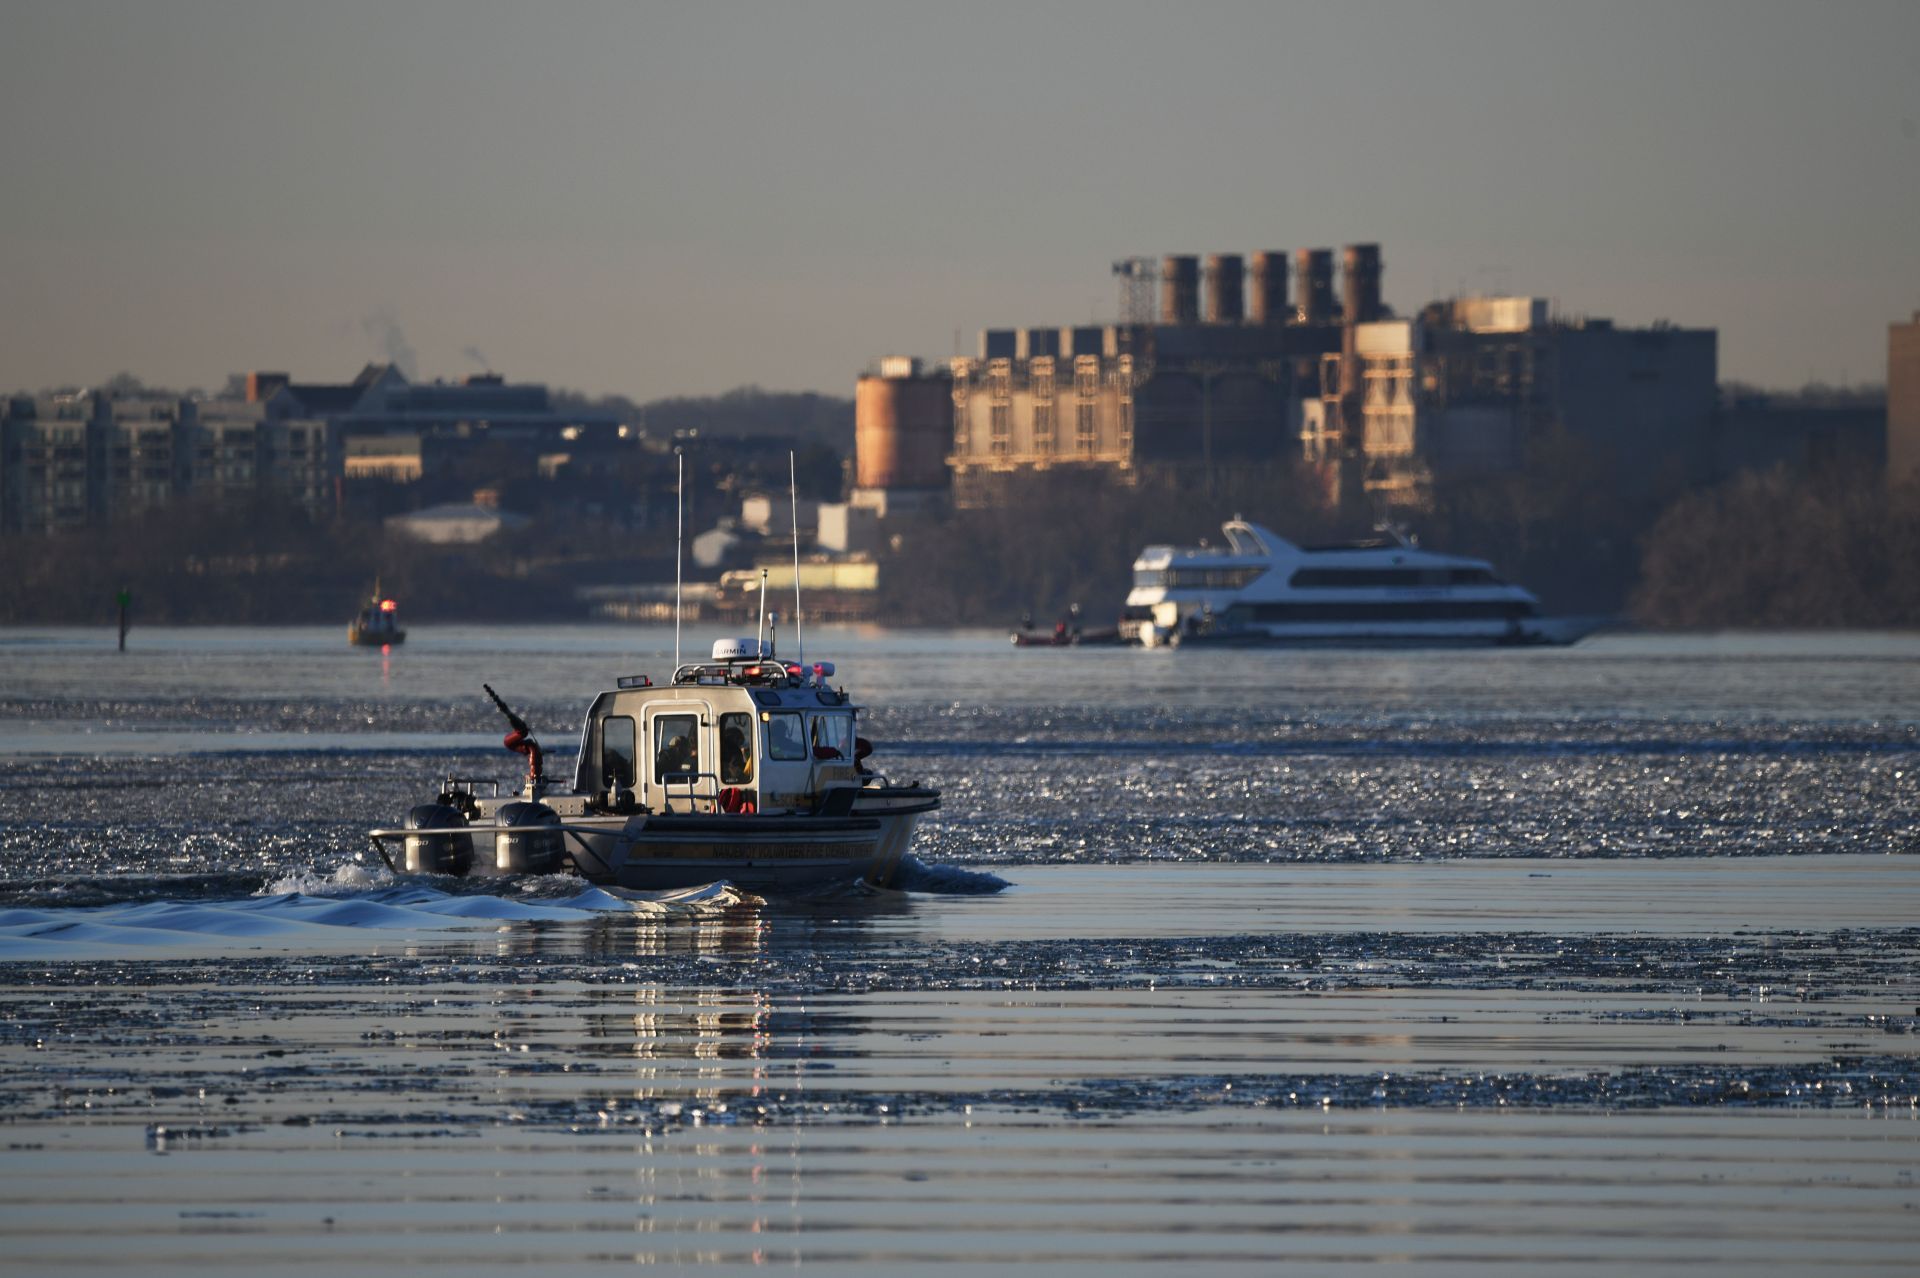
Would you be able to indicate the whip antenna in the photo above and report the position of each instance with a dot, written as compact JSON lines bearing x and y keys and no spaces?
{"x":679,"y":535}
{"x":760,"y":634}
{"x":793,"y":498}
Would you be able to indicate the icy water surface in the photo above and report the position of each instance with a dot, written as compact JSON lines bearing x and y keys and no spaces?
{"x":1575,"y":961}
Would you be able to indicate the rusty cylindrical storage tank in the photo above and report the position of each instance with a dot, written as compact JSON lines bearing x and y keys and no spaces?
{"x":902,"y":430}
{"x":1180,"y":290}
{"x":1270,"y":288}
{"x":1360,"y":271}
{"x":1226,"y":296}
{"x":1314,"y":270}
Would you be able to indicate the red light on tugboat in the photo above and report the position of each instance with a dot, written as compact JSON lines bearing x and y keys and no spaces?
{"x":388,"y":605}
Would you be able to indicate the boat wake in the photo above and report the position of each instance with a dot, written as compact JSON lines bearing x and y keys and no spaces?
{"x":309,"y":910}
{"x":354,"y":904}
{"x":915,"y":875}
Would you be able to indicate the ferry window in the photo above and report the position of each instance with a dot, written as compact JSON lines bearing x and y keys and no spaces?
{"x":619,"y":750}
{"x":736,"y":749}
{"x":1197,"y":578}
{"x":833,"y":736}
{"x":676,"y":745}
{"x":785,"y":737}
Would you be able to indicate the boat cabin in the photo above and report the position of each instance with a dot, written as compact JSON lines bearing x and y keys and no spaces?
{"x":743,"y":733}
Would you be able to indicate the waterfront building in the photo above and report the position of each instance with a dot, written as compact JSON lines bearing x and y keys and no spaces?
{"x":1903,"y":400}
{"x":1381,"y":405}
{"x":70,"y":460}
{"x":396,"y":430}
{"x":1473,"y":384}
{"x":903,"y":429}
{"x":1758,"y":432}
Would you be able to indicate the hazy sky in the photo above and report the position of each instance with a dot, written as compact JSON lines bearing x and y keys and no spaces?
{"x":677,"y":199}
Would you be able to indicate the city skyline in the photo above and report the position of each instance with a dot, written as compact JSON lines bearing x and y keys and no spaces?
{"x":657,"y":202}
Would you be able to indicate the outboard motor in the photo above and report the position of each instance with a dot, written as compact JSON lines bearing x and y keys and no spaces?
{"x":528,"y":851}
{"x":437,"y":853}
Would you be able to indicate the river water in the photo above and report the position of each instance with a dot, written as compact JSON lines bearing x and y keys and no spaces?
{"x":1571,"y":960}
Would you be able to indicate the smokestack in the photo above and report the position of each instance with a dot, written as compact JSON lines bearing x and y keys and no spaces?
{"x":1226,"y":301}
{"x":1315,"y":270}
{"x":1361,"y":278}
{"x":1180,"y":290}
{"x":261,"y":386}
{"x":1270,"y":288}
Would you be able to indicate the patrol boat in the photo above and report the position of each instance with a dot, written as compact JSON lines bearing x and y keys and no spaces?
{"x":377,"y":625}
{"x":743,"y":768}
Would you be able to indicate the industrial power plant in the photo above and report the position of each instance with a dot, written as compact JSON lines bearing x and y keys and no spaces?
{"x":1231,"y":358}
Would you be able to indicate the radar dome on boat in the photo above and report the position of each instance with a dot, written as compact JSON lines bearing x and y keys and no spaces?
{"x":738,"y":650}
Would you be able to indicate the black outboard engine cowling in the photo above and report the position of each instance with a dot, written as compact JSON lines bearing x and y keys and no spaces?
{"x":528,"y":851}
{"x":437,"y":853}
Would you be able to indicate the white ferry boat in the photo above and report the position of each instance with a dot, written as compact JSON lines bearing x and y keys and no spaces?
{"x":743,"y":768}
{"x":1260,"y":588}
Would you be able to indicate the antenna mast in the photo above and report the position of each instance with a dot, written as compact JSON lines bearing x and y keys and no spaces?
{"x":760,"y":635}
{"x":793,"y":499}
{"x":679,"y":535}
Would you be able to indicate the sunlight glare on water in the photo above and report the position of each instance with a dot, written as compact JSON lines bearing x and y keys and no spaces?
{"x":1579,"y":961}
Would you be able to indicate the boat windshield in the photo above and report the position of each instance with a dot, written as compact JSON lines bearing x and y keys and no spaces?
{"x":1247,"y":540}
{"x":833,"y":736}
{"x":785,"y":737}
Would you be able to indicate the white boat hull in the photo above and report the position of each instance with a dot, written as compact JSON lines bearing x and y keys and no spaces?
{"x":1534,"y":632}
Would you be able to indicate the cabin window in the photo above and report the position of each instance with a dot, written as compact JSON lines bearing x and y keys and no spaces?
{"x":785,"y":737}
{"x":1376,"y":578}
{"x":1196,"y":578}
{"x":1397,"y":610}
{"x":736,"y":749}
{"x":619,"y":751}
{"x":833,"y":736}
{"x":676,"y":745}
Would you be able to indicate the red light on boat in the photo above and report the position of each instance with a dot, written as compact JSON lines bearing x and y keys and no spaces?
{"x":388,"y":605}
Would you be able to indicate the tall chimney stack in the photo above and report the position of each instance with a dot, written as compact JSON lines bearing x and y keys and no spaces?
{"x":1226,"y":297}
{"x":1361,"y":278}
{"x":1180,"y":290}
{"x":1314,"y":267}
{"x":1270,"y":288}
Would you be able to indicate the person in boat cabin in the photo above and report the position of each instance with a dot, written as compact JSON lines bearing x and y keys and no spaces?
{"x":678,"y":757}
{"x":736,"y":761}
{"x":784,"y":739}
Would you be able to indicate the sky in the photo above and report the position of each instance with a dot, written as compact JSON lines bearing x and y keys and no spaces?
{"x":677,"y":199}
